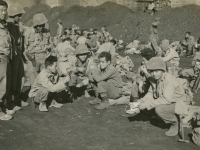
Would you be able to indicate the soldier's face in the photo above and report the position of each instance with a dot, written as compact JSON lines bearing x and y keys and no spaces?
{"x":53,"y":68}
{"x":17,"y":18}
{"x":82,"y":57}
{"x":3,"y":12}
{"x":103,"y":63}
{"x":40,"y":28}
{"x":156,"y":74}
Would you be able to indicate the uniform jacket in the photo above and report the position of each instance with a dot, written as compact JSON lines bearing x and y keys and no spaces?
{"x":47,"y":80}
{"x":5,"y":42}
{"x":167,"y":90}
{"x":16,"y":35}
{"x":110,"y":74}
{"x":89,"y":62}
{"x":36,"y":43}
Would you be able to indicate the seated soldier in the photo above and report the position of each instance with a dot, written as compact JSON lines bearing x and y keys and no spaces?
{"x":164,"y":92}
{"x":82,"y":71}
{"x":187,"y":44}
{"x":192,"y":73}
{"x":141,"y":80}
{"x":108,"y":47}
{"x":171,"y":58}
{"x":92,"y":41}
{"x":105,"y":35}
{"x":196,"y":48}
{"x":109,"y":81}
{"x":47,"y":84}
{"x":65,"y":44}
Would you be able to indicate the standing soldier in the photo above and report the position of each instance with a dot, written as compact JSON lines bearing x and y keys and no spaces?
{"x":154,"y":35}
{"x":5,"y":56}
{"x":60,"y":30}
{"x":15,"y":12}
{"x":37,"y":45}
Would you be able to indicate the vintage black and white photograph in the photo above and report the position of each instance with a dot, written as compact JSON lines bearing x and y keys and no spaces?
{"x":99,"y":74}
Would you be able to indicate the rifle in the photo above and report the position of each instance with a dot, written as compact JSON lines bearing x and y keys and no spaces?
{"x":196,"y":84}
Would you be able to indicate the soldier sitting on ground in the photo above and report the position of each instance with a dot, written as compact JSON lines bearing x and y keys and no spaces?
{"x":187,"y":44}
{"x":192,"y":73}
{"x":82,"y":71}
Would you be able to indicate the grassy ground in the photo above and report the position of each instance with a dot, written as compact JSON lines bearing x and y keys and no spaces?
{"x":78,"y":126}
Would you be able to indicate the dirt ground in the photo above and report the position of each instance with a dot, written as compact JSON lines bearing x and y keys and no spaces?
{"x":78,"y":126}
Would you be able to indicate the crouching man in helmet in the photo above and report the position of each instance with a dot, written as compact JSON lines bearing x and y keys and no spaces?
{"x":37,"y":45}
{"x":164,"y":92}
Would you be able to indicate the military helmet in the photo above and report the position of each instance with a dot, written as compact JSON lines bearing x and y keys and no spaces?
{"x":15,"y":9}
{"x":156,"y":63}
{"x":81,"y":49}
{"x":39,"y":19}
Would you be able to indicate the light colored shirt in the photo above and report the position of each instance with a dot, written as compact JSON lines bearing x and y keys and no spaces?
{"x":107,"y":47}
{"x":81,"y":40}
{"x":47,"y":80}
{"x":5,"y":42}
{"x":167,"y":90}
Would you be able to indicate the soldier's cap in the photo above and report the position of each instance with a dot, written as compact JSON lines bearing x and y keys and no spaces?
{"x":165,"y":45}
{"x":82,"y":49}
{"x":157,"y":19}
{"x":156,"y":63}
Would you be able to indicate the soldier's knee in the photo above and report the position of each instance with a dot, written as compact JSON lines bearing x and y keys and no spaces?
{"x":102,"y":84}
{"x":159,"y":110}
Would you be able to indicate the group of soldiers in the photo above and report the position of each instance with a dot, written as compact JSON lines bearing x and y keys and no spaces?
{"x":53,"y":66}
{"x":76,"y":62}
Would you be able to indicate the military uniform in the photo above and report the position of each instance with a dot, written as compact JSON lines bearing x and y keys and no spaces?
{"x":36,"y":46}
{"x":5,"y":56}
{"x":109,"y":82}
{"x":188,"y":44}
{"x":16,"y":62}
{"x":154,"y":36}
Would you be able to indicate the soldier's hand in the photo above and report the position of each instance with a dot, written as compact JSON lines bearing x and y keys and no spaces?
{"x":142,"y":106}
{"x":66,"y":79}
{"x":81,"y":69}
{"x":92,"y":67}
{"x":144,"y":69}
